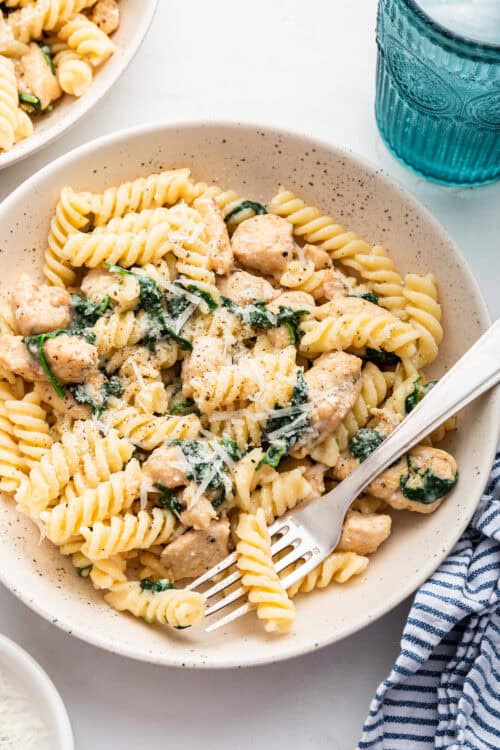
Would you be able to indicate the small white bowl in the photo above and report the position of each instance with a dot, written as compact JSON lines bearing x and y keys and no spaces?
{"x":41,"y":690}
{"x":135,"y":20}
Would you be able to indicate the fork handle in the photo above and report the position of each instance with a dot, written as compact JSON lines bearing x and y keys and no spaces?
{"x":474,"y":373}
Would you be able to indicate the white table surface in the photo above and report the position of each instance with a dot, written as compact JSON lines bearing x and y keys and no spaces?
{"x":309,"y":66}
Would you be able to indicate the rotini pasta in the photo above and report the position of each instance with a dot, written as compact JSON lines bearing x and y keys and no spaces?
{"x":121,"y":534}
{"x":339,"y":567}
{"x":179,"y":608}
{"x":87,"y":39}
{"x":259,"y":576}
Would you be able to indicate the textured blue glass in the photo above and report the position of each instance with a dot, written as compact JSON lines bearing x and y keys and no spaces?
{"x":438,"y":97}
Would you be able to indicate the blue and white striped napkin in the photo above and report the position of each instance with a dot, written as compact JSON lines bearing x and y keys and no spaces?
{"x":444,"y":689}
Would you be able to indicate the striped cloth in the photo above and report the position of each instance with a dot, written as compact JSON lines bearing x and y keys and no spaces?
{"x":444,"y":689}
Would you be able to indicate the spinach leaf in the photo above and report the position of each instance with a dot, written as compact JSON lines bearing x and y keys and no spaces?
{"x":98,"y":404}
{"x":257,"y":315}
{"x":147,"y":584}
{"x":257,"y":208}
{"x":205,"y":296}
{"x":84,"y":571}
{"x":419,"y":391}
{"x":424,"y":486}
{"x":186,"y":406}
{"x":231,"y":447}
{"x":35,"y":346}
{"x":169,"y":499}
{"x":85,"y":312}
{"x":151,"y":299}
{"x":204,"y":463}
{"x":31,"y":103}
{"x":364,"y":442}
{"x":292,"y":424}
{"x":370,"y":297}
{"x":381,"y":358}
{"x":46,"y":51}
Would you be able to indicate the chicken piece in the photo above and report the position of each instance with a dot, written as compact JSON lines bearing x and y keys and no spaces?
{"x":106,"y":15}
{"x":199,"y":511}
{"x":264,"y":243}
{"x":334,"y":285}
{"x":15,"y":357}
{"x":221,"y":252}
{"x":334,"y":385}
{"x":39,"y":308}
{"x":66,"y":406}
{"x":384,"y":421}
{"x":35,"y":77}
{"x":245,"y":288}
{"x":196,"y":551}
{"x":166,"y":465}
{"x":121,"y":288}
{"x":387,"y":486}
{"x":318,"y":257}
{"x":209,"y":353}
{"x":364,"y":533}
{"x":71,"y":358}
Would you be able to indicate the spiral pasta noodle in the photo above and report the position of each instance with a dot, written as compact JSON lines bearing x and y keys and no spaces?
{"x":280,"y":494}
{"x":222,"y":388}
{"x":119,"y":330}
{"x":154,"y":191}
{"x":127,"y":249}
{"x":339,"y":567}
{"x":71,"y":215}
{"x":123,"y":533}
{"x":8,"y":104}
{"x":44,"y":15}
{"x":96,"y":504}
{"x":86,"y":38}
{"x":178,"y":608}
{"x":74,"y":73}
{"x":104,"y":574}
{"x":30,"y":427}
{"x":148,"y":432}
{"x":255,"y":562}
{"x":424,"y":312}
{"x":12,"y":463}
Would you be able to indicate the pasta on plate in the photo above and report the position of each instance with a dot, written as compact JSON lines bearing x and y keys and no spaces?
{"x":194,"y":366}
{"x":49,"y":48}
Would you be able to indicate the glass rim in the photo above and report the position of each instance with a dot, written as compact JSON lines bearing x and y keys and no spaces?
{"x":444,"y":31}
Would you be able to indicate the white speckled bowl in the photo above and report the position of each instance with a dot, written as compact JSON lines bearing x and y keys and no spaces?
{"x":254,"y":161}
{"x":136,"y":17}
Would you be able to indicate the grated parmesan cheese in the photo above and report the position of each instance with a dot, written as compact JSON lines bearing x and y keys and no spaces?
{"x":21,"y":724}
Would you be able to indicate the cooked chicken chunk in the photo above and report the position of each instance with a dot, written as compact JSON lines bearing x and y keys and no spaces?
{"x":221,"y":252}
{"x":195,"y":552}
{"x":122,"y":289}
{"x":199,"y":511}
{"x":64,"y":406}
{"x":318,"y":257}
{"x":334,"y":385}
{"x":387,"y":486}
{"x":72,"y":359}
{"x":39,"y":308}
{"x":106,"y":14}
{"x":245,"y":288}
{"x":35,"y":77}
{"x":166,"y":465}
{"x":364,"y":533}
{"x":384,"y":421}
{"x":333,"y":285}
{"x":15,"y":357}
{"x":264,"y":243}
{"x":208,"y":353}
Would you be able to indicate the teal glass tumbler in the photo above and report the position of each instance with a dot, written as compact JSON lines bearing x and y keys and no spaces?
{"x":437,"y":100}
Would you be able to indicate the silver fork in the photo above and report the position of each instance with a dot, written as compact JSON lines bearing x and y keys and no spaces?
{"x":314,"y":530}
